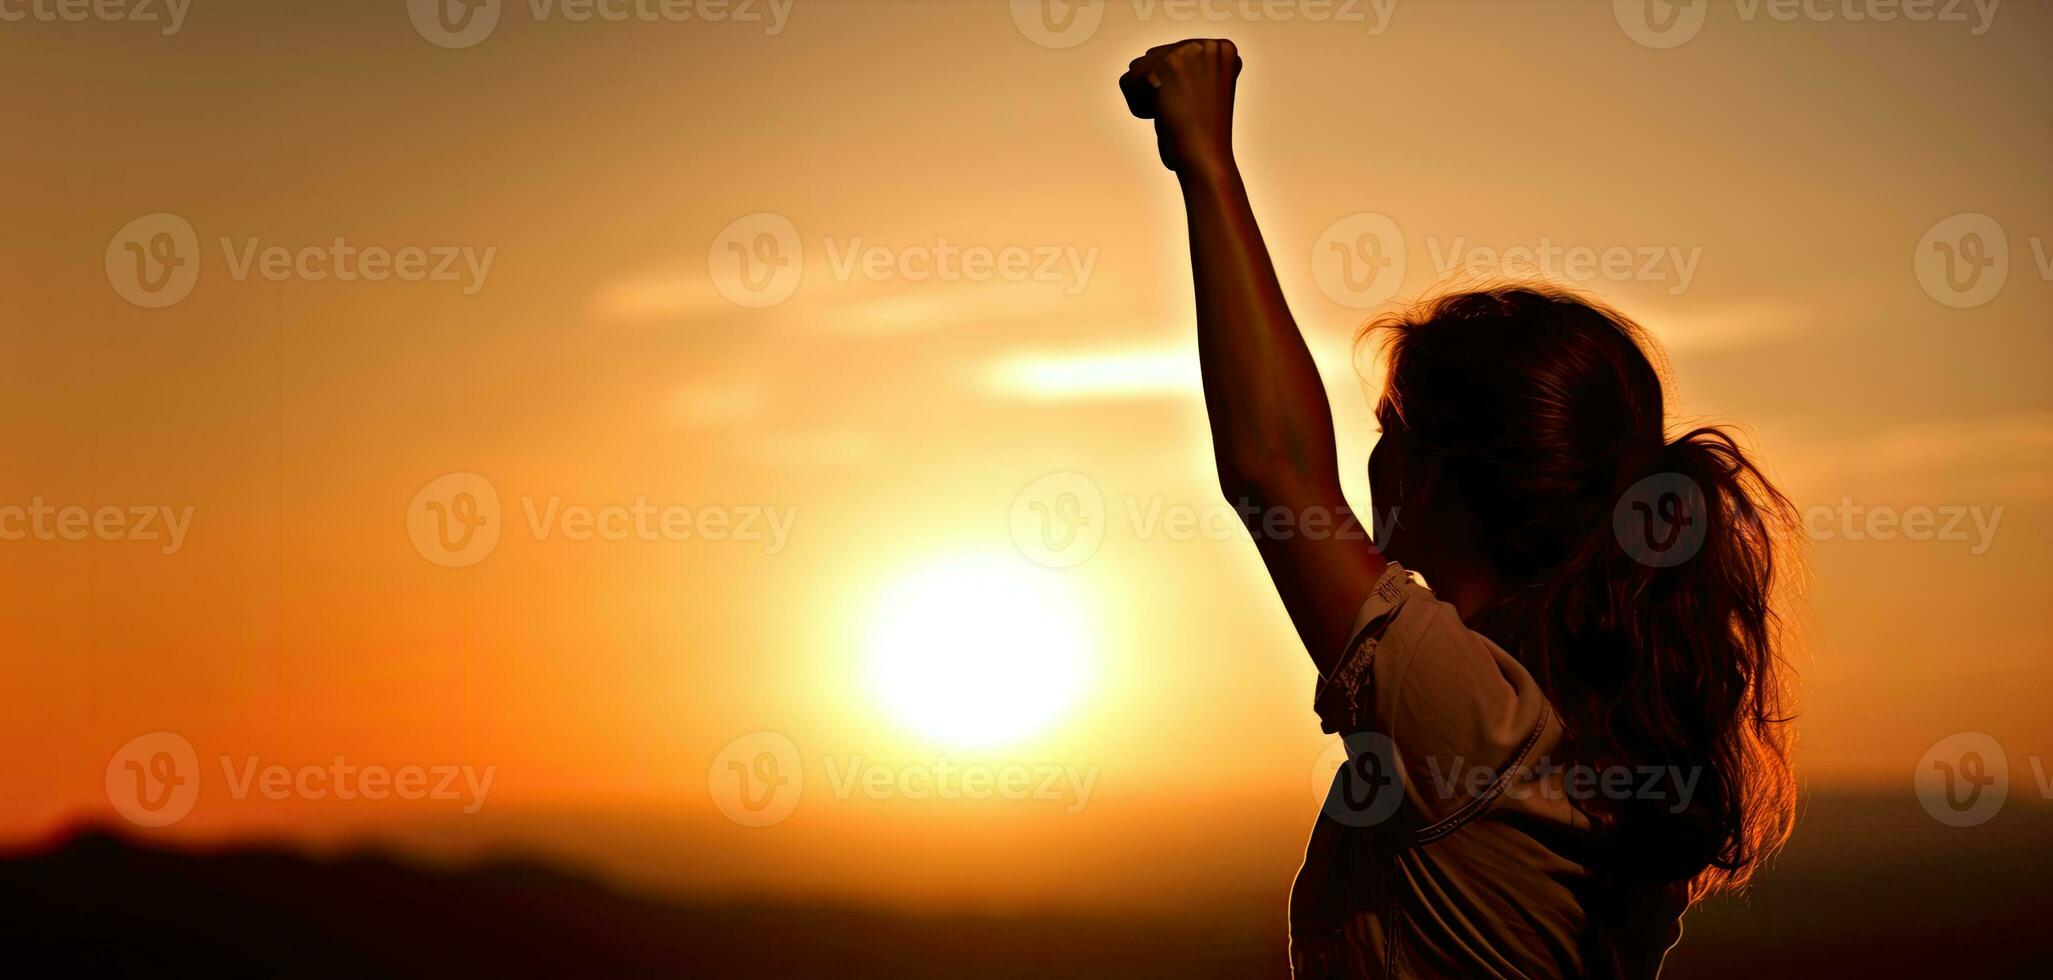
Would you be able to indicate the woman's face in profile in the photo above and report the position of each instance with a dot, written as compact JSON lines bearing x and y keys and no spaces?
{"x":1386,"y":484}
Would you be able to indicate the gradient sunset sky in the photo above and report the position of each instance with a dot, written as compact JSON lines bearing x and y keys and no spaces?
{"x":1774,"y":183}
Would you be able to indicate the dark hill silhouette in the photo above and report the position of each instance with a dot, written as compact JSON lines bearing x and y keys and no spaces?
{"x":1870,"y":887}
{"x":110,"y":906}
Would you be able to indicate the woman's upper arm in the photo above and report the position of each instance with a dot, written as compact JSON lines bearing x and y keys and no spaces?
{"x":1320,"y":559}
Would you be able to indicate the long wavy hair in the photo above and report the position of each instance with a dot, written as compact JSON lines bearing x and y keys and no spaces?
{"x":1546,"y":413}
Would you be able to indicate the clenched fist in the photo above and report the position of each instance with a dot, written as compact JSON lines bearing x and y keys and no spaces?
{"x":1187,"y":89}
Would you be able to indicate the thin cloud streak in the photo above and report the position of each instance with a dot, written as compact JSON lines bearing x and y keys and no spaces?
{"x":1122,"y":374}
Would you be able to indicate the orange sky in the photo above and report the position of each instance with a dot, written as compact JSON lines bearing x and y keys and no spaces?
{"x":1769,"y":182}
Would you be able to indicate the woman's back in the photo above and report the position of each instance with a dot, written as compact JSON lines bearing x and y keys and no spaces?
{"x":1450,"y":845}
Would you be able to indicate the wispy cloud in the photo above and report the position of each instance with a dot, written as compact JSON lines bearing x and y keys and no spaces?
{"x":717,"y":403}
{"x":1165,"y":370}
{"x":657,"y":294}
{"x":1685,"y":330}
{"x":2017,"y":437}
{"x":1150,"y":372}
{"x":822,"y":304}
{"x":2010,"y":453}
{"x":813,"y":448}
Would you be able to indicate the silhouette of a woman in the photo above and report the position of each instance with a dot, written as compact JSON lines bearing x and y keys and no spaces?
{"x":1577,"y":730}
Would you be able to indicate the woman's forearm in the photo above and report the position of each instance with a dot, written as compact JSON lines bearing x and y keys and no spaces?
{"x":1272,"y":429}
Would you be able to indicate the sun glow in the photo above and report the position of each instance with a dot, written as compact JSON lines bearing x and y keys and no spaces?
{"x":979,"y":651}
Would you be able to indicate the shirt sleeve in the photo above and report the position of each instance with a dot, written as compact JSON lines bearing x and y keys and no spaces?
{"x":1462,"y":716}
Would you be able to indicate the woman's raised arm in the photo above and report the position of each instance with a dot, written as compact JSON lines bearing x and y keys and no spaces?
{"x":1272,"y":429}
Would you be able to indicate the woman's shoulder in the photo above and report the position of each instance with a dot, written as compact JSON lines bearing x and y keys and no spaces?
{"x":1464,"y":720}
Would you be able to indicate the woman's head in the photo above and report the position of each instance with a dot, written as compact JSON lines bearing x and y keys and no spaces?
{"x":1510,"y":413}
{"x":1525,"y":446}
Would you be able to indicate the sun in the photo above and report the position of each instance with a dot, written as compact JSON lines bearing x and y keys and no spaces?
{"x":978,"y":651}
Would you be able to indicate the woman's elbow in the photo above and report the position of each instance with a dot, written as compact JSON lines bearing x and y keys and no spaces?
{"x":1259,"y":479}
{"x":1268,"y":480}
{"x":1244,"y":479}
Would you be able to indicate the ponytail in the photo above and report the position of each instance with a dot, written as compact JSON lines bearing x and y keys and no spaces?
{"x":1689,"y":587}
